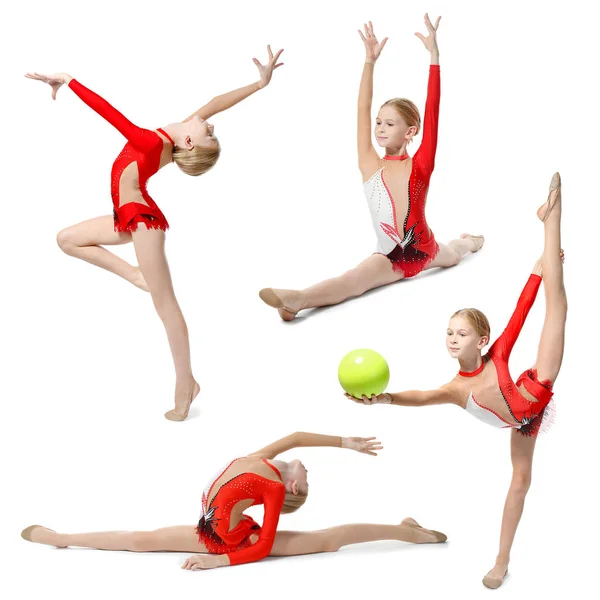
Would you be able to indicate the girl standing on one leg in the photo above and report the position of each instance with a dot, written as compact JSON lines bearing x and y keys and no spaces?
{"x":484,"y":386}
{"x":396,"y":189}
{"x":136,"y":218}
{"x":226,"y":536}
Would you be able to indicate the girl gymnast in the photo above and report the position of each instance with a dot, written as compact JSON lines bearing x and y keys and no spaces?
{"x":396,"y":190}
{"x":483,"y":385}
{"x":226,"y":536}
{"x":136,"y":218}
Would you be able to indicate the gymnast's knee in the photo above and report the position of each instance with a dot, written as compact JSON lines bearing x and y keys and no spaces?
{"x":65,"y":242}
{"x":521,"y":482}
{"x":140,"y":541}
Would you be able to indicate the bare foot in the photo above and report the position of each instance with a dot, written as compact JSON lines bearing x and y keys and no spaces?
{"x":477,"y":240}
{"x":139,"y":281}
{"x":554,"y":198}
{"x":183,"y":401}
{"x":41,"y":535}
{"x":286,"y":302}
{"x":425,"y":536}
{"x":495,"y":578}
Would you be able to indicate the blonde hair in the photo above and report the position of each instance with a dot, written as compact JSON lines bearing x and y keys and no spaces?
{"x":408,"y":111}
{"x":293,"y":502}
{"x":196,"y":161}
{"x":477,"y":319}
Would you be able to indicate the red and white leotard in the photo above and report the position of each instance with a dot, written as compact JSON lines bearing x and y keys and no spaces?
{"x":137,"y":162}
{"x":214,"y":526}
{"x":413,"y":247}
{"x":493,"y":374}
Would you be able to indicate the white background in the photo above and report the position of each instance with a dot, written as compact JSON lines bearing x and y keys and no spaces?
{"x":86,"y":370}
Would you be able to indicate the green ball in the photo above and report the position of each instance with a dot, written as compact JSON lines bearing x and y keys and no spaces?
{"x":363,"y":372}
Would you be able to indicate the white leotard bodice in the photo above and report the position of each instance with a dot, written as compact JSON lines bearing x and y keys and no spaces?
{"x":383,"y":213}
{"x":486,"y":415}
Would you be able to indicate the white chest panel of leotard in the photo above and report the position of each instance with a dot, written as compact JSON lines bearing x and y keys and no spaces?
{"x":485,"y":414}
{"x":382,"y":210}
{"x":207,"y":489}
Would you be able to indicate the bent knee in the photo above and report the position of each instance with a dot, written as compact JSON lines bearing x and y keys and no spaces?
{"x":65,"y":241}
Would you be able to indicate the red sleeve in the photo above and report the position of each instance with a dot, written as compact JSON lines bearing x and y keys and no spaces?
{"x":426,"y":151}
{"x":273,"y":501}
{"x":504,"y":344}
{"x":142,"y":139}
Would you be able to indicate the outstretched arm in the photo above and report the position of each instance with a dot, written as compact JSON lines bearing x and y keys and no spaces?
{"x":306,"y":440}
{"x":224,"y":101}
{"x":368,"y":159}
{"x":444,"y":395}
{"x":142,"y":139}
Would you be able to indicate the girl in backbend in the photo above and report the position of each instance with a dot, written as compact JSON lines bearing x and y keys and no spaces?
{"x":396,"y":190}
{"x":226,"y":536}
{"x":136,"y":218}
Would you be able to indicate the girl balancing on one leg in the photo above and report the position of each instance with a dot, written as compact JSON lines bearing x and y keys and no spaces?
{"x":484,"y":386}
{"x":193,"y":146}
{"x":226,"y":536}
{"x":396,"y":190}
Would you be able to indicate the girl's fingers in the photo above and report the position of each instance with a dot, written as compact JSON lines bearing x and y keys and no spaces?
{"x":362,"y":37}
{"x":437,"y":22}
{"x":383,"y":43}
{"x":421,"y":37}
{"x":279,"y":65}
{"x":269,"y":49}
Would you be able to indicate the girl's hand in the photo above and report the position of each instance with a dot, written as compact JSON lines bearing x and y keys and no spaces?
{"x":205,"y":561}
{"x":372,"y":46}
{"x":266,"y":71}
{"x":363,"y":445}
{"x":55,"y":81}
{"x":430,"y":41}
{"x":384,"y":398}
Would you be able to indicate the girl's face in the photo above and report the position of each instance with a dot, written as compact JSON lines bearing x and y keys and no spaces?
{"x":201,"y":133}
{"x":391,"y":130}
{"x":298,"y":476}
{"x":462,"y":341}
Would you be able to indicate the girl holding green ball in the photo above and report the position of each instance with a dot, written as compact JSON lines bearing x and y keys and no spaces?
{"x":484,"y":386}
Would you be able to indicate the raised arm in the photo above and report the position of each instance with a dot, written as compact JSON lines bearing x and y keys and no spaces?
{"x":306,"y":440}
{"x":368,"y":159}
{"x":224,"y":101}
{"x":142,"y":139}
{"x":444,"y":395}
{"x":504,"y":344}
{"x":428,"y":147}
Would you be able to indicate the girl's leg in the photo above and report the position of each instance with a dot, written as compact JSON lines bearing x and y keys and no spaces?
{"x":450,"y":255}
{"x":85,"y":241}
{"x":373,"y":272}
{"x":150,"y":250}
{"x":521,"y":449}
{"x":293,"y":543}
{"x":552,"y":341}
{"x":182,"y":538}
